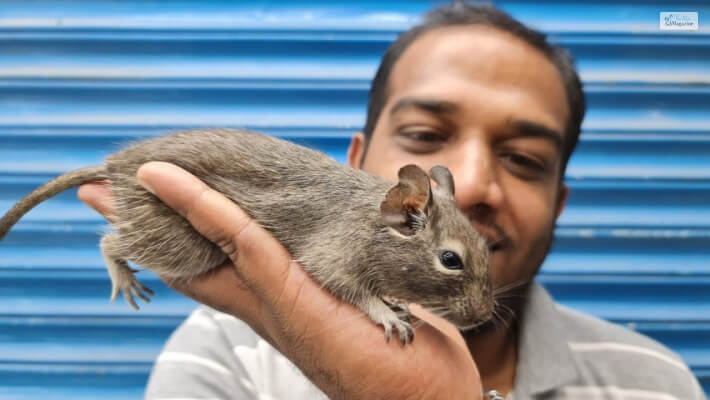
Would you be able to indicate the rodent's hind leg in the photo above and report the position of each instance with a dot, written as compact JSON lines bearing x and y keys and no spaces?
{"x":122,"y":275}
{"x":382,"y":314}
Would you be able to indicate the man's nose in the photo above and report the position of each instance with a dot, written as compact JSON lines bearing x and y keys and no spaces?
{"x":476,"y":177}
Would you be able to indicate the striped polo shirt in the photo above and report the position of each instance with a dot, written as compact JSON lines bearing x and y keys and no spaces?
{"x":563,"y":354}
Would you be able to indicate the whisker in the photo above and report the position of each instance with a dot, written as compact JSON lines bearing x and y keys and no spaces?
{"x":495,"y":318}
{"x":511,"y":314}
{"x":508,"y":287}
{"x":510,"y":295}
{"x":436,"y":308}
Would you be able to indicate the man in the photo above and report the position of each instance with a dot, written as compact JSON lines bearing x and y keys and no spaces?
{"x":472,"y":89}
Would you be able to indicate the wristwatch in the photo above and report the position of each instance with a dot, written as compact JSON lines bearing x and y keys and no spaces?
{"x":492,"y":395}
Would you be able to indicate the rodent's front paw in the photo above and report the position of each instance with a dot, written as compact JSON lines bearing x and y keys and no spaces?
{"x":399,"y":307}
{"x":382,"y":313}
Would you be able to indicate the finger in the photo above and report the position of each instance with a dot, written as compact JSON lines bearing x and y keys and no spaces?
{"x":98,"y":196}
{"x":439,"y":323}
{"x":224,"y":223}
{"x":222,"y":290}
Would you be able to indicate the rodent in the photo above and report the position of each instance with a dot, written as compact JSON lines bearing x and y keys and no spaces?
{"x":372,"y":243}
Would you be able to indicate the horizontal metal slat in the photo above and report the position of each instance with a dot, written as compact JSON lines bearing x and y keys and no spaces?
{"x":81,"y":292}
{"x":72,"y":381}
{"x":629,"y":16}
{"x":634,"y":298}
{"x":620,"y":108}
{"x":81,"y":340}
{"x":600,"y":16}
{"x":53,"y":155}
{"x":351,"y":15}
{"x":689,"y":340}
{"x":324,"y":57}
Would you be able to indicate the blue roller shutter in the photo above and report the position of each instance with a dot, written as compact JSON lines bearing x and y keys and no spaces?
{"x":78,"y":79}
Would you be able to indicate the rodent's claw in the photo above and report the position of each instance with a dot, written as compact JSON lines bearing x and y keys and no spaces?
{"x":129,"y":298}
{"x":388,"y":333}
{"x":407,"y":335}
{"x":136,"y":289}
{"x":405,"y":329}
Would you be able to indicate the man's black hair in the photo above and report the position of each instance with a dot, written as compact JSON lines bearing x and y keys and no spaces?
{"x":461,"y":13}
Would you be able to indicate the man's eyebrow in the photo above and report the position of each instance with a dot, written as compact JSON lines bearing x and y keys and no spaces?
{"x":526,"y":128}
{"x":430,"y":105}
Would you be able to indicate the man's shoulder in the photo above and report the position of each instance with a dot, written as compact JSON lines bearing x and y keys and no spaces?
{"x":585,"y":328}
{"x":613,"y":357}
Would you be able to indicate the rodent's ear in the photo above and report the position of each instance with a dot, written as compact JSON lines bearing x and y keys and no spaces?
{"x":406,"y":204}
{"x":442,"y":176}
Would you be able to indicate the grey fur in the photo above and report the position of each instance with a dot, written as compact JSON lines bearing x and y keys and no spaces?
{"x":369,"y":242}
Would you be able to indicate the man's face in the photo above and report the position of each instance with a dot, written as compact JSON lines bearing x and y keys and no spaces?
{"x":493,"y":110}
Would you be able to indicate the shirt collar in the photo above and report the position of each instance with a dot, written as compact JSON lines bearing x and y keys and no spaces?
{"x":545,"y":361}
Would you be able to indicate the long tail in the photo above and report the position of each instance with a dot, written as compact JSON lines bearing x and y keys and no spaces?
{"x":50,"y":189}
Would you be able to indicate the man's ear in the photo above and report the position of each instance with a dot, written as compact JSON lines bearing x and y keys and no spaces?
{"x":562,"y":199}
{"x":356,"y":150}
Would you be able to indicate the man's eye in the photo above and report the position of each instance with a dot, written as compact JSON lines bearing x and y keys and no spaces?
{"x":526,"y":162}
{"x":424,"y":136}
{"x":420,"y":141}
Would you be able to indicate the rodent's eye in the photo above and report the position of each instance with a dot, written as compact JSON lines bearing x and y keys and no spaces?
{"x":451,"y":260}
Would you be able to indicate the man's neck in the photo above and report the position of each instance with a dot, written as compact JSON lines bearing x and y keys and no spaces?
{"x":495,"y":352}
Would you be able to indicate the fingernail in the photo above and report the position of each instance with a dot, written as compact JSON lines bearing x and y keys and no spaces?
{"x":145,"y":185}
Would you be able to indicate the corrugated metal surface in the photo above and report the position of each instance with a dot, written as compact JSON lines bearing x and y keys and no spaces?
{"x":79,"y":78}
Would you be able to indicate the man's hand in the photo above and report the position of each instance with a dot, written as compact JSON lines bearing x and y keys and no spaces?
{"x":333,"y":343}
